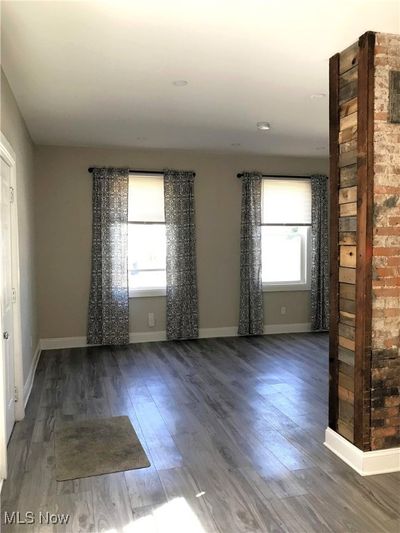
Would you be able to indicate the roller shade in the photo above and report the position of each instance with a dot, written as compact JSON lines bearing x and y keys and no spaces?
{"x":286,"y":201}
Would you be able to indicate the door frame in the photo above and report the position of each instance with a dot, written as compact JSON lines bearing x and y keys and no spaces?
{"x":7,"y":153}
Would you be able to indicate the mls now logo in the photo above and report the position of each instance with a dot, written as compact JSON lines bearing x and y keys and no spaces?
{"x":30,"y":518}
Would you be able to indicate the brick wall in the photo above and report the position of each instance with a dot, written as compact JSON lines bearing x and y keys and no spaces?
{"x":385,"y":364}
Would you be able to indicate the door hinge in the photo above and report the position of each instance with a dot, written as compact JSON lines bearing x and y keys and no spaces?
{"x":11,"y":195}
{"x":16,"y":397}
{"x":13,"y":296}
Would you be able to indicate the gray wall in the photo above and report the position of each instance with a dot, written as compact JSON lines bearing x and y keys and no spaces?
{"x":13,"y":127}
{"x":63,"y":216}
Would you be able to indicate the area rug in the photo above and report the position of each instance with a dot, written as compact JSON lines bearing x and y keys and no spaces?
{"x":98,"y":446}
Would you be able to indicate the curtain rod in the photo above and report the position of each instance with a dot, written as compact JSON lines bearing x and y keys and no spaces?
{"x":281,"y":176}
{"x":137,"y":171}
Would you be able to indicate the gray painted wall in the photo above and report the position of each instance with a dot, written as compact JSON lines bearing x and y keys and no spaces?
{"x":63,"y":235}
{"x":14,"y":129}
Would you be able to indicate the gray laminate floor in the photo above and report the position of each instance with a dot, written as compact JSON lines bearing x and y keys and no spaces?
{"x":233,"y":429}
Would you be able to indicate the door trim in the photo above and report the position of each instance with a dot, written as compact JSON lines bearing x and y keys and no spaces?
{"x":7,"y":152}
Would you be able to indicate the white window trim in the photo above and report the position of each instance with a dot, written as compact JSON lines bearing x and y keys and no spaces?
{"x":148,"y":292}
{"x":278,"y":286}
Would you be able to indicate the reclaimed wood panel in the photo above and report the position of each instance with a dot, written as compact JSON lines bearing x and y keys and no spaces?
{"x":346,"y":356}
{"x":347,"y":291}
{"x":347,"y":195}
{"x":349,"y":121}
{"x":347,"y":158}
{"x":345,"y":394}
{"x":348,"y":146}
{"x":349,"y":306}
{"x":348,"y":58}
{"x":348,"y":210}
{"x":346,"y":331}
{"x":348,"y":76}
{"x":346,"y":382}
{"x":347,"y":318}
{"x":348,"y":256}
{"x":348,"y":176}
{"x":348,"y":224}
{"x":349,"y":107}
{"x":346,"y":411}
{"x":347,"y":343}
{"x":347,"y":275}
{"x":347,"y":135}
{"x":346,"y":430}
{"x":348,"y":92}
{"x":347,"y":237}
{"x":346,"y":419}
{"x":346,"y":368}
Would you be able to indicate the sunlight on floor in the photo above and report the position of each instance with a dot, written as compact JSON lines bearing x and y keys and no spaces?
{"x":175,"y":516}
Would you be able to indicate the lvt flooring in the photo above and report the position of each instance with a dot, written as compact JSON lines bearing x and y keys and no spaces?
{"x":233,"y":429}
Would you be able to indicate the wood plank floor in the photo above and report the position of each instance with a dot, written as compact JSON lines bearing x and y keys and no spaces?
{"x":233,"y":429}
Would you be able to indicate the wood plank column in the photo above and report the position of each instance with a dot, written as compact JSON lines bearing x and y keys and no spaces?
{"x":351,"y":182}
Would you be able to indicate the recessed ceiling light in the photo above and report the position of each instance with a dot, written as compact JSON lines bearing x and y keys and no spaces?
{"x":235,"y":144}
{"x":263,"y":126}
{"x":316,"y":96}
{"x":180,"y":83}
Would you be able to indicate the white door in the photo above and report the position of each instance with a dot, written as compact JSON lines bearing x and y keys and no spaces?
{"x":6,"y":319}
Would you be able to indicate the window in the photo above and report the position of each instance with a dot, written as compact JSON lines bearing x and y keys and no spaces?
{"x":147,"y":241}
{"x":286,"y":223}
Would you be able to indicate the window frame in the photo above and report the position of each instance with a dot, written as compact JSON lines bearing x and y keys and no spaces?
{"x":305,"y":283}
{"x":146,"y":292}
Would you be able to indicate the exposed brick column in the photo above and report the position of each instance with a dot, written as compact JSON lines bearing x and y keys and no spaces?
{"x":385,"y":364}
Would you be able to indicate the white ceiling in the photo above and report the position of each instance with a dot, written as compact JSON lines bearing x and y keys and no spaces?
{"x":101,"y":72}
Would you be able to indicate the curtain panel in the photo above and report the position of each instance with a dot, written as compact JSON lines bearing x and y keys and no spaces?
{"x":108,"y":320}
{"x":182,"y":299}
{"x":251,"y":314}
{"x":319,"y":254}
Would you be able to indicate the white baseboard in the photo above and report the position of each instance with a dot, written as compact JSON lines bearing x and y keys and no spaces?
{"x":153,"y":336}
{"x":147,"y":336}
{"x":29,"y":380}
{"x":59,"y":343}
{"x":212,"y":333}
{"x":364,"y":463}
{"x":272,"y":329}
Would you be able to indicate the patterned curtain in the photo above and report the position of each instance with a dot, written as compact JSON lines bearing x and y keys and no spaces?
{"x":319,"y":254}
{"x":251,"y":317}
{"x":182,"y":306}
{"x":108,"y":321}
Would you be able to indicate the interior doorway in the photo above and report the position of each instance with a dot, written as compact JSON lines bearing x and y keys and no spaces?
{"x":11,"y":377}
{"x":7,"y":338}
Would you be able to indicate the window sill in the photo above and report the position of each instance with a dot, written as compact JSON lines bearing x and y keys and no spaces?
{"x":146,"y":293}
{"x":271,"y":287}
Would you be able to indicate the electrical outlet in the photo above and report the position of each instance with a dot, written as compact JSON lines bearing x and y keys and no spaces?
{"x":151,"y":320}
{"x":283,"y":310}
